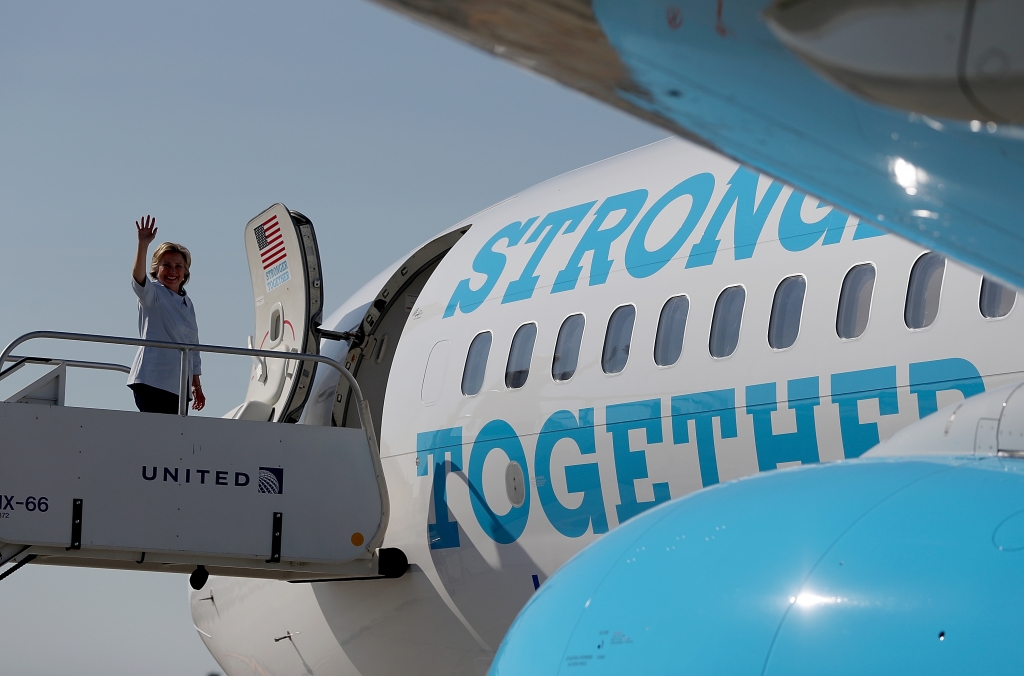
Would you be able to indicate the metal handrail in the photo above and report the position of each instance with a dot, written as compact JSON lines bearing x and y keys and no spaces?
{"x":73,"y":363}
{"x":363,"y":407}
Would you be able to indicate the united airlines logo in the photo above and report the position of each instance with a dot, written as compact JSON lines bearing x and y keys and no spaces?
{"x":271,"y":480}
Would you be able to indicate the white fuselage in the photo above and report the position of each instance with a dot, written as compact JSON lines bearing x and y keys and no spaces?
{"x":611,"y":444}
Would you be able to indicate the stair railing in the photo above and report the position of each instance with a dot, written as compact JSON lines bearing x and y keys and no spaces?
{"x":363,"y":407}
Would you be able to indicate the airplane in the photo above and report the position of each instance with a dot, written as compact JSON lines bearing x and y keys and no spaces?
{"x":907,"y":115}
{"x":577,"y":355}
{"x":865,"y":333}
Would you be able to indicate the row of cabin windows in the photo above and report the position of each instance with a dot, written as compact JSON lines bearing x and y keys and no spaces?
{"x":922,"y":306}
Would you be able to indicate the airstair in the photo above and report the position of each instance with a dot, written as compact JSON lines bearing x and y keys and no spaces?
{"x":119,"y":489}
{"x":250,"y":496}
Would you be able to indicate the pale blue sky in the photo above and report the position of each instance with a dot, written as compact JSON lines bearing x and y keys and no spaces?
{"x":382,"y":131}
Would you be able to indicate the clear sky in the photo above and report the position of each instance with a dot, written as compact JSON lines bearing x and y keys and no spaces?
{"x":202,"y":114}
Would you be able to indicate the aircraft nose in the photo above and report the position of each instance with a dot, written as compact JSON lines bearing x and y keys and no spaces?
{"x":867,"y":566}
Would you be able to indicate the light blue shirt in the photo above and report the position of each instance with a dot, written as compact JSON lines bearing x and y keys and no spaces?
{"x":163,"y":315}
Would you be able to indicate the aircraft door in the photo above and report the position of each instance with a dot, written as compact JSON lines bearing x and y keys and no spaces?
{"x":284,"y":264}
{"x":370,"y":358}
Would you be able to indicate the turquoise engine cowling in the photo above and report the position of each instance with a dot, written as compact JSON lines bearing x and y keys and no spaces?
{"x":905,"y":565}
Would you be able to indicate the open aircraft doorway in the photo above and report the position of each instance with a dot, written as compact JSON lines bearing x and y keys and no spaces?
{"x":376,"y":339}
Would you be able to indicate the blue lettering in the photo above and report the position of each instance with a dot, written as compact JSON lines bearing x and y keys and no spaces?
{"x":865,"y":231}
{"x":929,"y":377}
{"x":553,"y":223}
{"x":702,"y":408}
{"x":835,"y":227}
{"x":277,"y":275}
{"x":795,"y":234}
{"x":276,"y":270}
{"x":630,"y":464}
{"x":641,"y":262}
{"x":854,"y":386}
{"x":802,"y":445}
{"x":503,"y":529}
{"x":749,"y":220}
{"x":584,"y":478}
{"x":487,"y":262}
{"x":442,"y":534}
{"x":599,"y":241}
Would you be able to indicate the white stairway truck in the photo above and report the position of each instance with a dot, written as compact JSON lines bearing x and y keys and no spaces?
{"x":243,"y":495}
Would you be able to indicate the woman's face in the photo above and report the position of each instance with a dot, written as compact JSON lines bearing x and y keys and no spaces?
{"x":170,"y":271}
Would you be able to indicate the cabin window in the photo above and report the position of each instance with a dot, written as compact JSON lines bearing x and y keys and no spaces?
{"x":567,"y":347}
{"x":725,"y":323}
{"x":518,"y":368}
{"x":784,"y":324}
{"x":617,"y":339}
{"x":855,"y":301}
{"x":476,"y":363}
{"x":275,"y":324}
{"x":996,"y":299}
{"x":924,"y":290}
{"x":668,"y":343}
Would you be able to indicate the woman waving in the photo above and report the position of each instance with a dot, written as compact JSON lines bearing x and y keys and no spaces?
{"x":165,"y":313}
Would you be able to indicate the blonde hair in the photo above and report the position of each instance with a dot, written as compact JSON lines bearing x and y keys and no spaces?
{"x":171,"y":247}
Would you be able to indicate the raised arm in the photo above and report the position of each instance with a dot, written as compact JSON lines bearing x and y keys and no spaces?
{"x":147,"y":233}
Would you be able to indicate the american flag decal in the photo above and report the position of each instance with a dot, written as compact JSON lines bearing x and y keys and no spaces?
{"x":270,"y":242}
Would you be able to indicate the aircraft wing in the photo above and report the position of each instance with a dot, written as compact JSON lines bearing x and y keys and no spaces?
{"x":757,"y":81}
